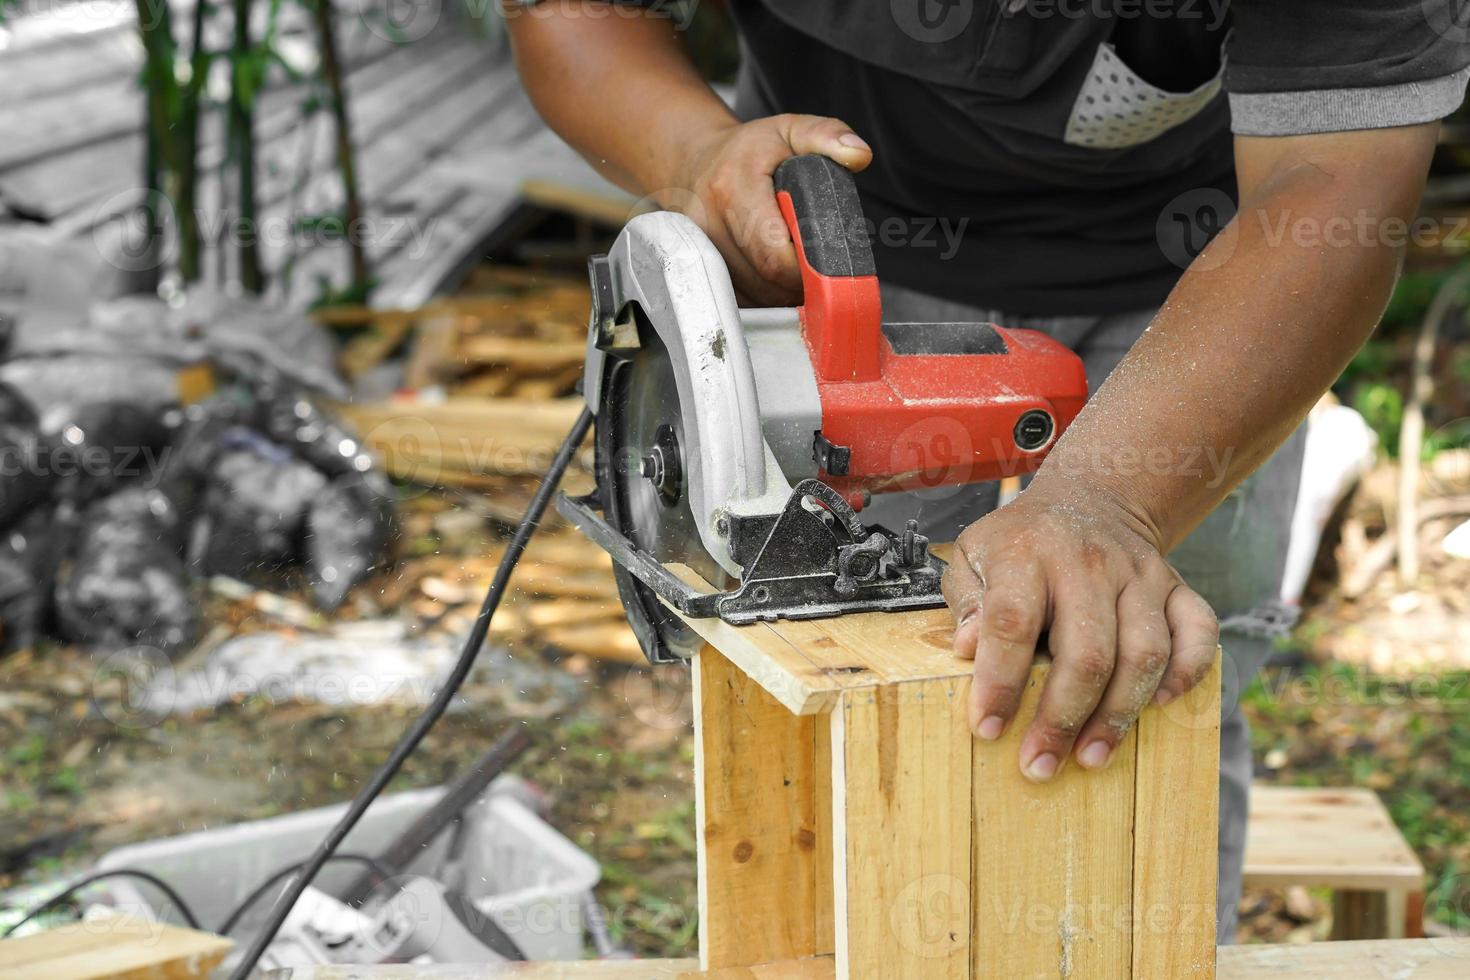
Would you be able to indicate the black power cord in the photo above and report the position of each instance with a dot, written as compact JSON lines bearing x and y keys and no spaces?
{"x":177,"y":901}
{"x":436,"y":708}
{"x":60,"y":898}
{"x":233,"y":919}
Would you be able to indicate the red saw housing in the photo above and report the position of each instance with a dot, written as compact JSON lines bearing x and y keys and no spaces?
{"x":908,"y":405}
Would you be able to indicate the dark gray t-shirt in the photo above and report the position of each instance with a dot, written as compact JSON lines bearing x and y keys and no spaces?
{"x":1069,"y":156}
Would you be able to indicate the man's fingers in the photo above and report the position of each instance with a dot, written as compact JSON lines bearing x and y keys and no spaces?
{"x":1143,"y":655}
{"x":963,"y":590}
{"x":1195,"y":639}
{"x":827,"y":136}
{"x":1084,"y":637}
{"x":1011,"y":619}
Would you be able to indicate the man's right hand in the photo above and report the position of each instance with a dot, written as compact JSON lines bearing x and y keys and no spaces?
{"x":724,"y":184}
{"x":690,"y":154}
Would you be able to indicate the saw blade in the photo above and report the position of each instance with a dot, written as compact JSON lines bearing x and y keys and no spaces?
{"x":644,"y":477}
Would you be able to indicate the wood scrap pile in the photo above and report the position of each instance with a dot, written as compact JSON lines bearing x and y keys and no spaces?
{"x":562,"y":597}
{"x":509,"y":333}
{"x":487,"y":398}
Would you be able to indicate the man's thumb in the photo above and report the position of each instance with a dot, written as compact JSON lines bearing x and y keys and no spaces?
{"x":831,"y":138}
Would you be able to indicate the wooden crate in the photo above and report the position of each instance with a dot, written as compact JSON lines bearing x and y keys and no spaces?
{"x":844,"y":808}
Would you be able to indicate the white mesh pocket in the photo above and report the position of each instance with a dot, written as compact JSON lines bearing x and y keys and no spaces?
{"x":1116,"y":108}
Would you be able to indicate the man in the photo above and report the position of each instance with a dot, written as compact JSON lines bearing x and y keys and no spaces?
{"x":1073,"y":151}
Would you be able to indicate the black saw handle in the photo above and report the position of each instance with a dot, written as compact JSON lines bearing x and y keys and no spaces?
{"x":829,"y":215}
{"x":841,"y":315}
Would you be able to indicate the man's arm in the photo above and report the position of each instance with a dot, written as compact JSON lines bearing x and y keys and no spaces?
{"x":616,"y":83}
{"x":1258,"y":327}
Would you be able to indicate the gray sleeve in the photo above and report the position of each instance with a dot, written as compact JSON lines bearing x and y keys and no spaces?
{"x":1338,"y":109}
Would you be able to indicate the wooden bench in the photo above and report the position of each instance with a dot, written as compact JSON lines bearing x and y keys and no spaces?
{"x":1343,"y":839}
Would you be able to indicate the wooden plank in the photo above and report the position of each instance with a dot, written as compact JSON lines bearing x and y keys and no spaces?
{"x":755,"y":804}
{"x":806,"y":664}
{"x":810,"y":968}
{"x":524,"y":351}
{"x":1176,"y":825}
{"x":1332,"y":838}
{"x":126,"y":947}
{"x":612,"y":208}
{"x":901,"y":798}
{"x":477,"y":437}
{"x":1421,"y":959}
{"x":1053,"y":861}
{"x":785,"y":670}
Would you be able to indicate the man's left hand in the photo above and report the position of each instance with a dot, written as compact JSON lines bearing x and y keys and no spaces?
{"x":1123,"y":627}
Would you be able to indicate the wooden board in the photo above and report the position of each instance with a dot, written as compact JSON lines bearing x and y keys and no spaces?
{"x":1176,"y":834}
{"x":1054,"y":861}
{"x":1333,"y":838}
{"x":806,"y":665}
{"x":485,"y":437}
{"x":118,"y":946}
{"x":1411,"y":959}
{"x":901,"y":824}
{"x":755,"y":799}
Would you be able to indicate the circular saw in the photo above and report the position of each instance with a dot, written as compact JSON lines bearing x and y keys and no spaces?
{"x":736,"y":448}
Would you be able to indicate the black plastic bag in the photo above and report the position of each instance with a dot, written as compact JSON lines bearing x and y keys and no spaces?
{"x":347,"y":533}
{"x":126,"y":583}
{"x":255,"y":510}
{"x":25,"y":479}
{"x":100,"y":447}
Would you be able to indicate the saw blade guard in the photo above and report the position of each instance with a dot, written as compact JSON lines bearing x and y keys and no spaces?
{"x":665,"y":270}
